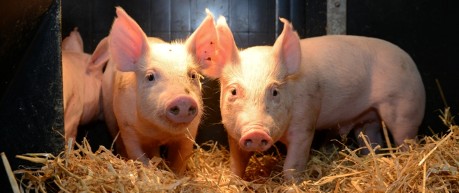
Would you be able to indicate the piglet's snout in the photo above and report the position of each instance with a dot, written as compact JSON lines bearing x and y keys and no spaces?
{"x":255,"y":140}
{"x":182,"y":109}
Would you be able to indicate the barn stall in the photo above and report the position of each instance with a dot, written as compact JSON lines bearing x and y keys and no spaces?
{"x":31,"y":106}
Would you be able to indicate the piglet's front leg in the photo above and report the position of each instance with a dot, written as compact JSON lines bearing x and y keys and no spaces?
{"x":133,"y":145}
{"x":298,"y":149}
{"x":178,"y":152}
{"x":238,"y":157}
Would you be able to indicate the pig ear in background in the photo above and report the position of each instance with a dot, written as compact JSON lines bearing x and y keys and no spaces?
{"x":287,"y":48}
{"x":73,"y":42}
{"x":203,"y":42}
{"x":100,"y":56}
{"x":127,"y":42}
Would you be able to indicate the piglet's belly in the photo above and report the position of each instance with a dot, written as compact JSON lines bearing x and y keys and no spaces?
{"x":344,"y":125}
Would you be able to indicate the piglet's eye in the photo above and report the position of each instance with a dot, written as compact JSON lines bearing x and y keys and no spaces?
{"x":150,"y":77}
{"x":233,"y":91}
{"x":275,"y":92}
{"x":193,"y":75}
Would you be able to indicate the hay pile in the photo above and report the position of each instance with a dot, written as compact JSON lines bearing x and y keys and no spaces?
{"x":429,"y":166}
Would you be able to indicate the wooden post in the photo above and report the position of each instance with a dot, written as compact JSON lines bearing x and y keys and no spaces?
{"x":336,"y":17}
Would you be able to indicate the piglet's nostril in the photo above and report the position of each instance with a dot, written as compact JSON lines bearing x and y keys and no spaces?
{"x":174,"y":110}
{"x":248,"y":142}
{"x":264,"y":142}
{"x":192,"y":110}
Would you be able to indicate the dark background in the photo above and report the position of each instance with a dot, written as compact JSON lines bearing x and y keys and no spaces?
{"x":30,"y":35}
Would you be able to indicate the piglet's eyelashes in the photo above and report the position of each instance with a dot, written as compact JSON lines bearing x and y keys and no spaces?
{"x":194,"y":75}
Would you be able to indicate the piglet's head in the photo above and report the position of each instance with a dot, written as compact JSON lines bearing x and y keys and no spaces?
{"x":255,"y":90}
{"x":167,"y":74}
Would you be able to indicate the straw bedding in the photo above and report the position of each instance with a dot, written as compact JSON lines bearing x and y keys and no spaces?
{"x":430,"y":165}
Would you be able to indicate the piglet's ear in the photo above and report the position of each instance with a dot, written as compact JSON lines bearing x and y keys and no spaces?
{"x":127,"y":42}
{"x":73,"y":42}
{"x":228,"y":53}
{"x":203,"y":42}
{"x":99,"y":57}
{"x":287,"y":48}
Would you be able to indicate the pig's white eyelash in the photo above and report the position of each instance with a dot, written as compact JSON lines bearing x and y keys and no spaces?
{"x":195,"y":71}
{"x":201,"y":77}
{"x":177,"y":42}
{"x":279,"y":83}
